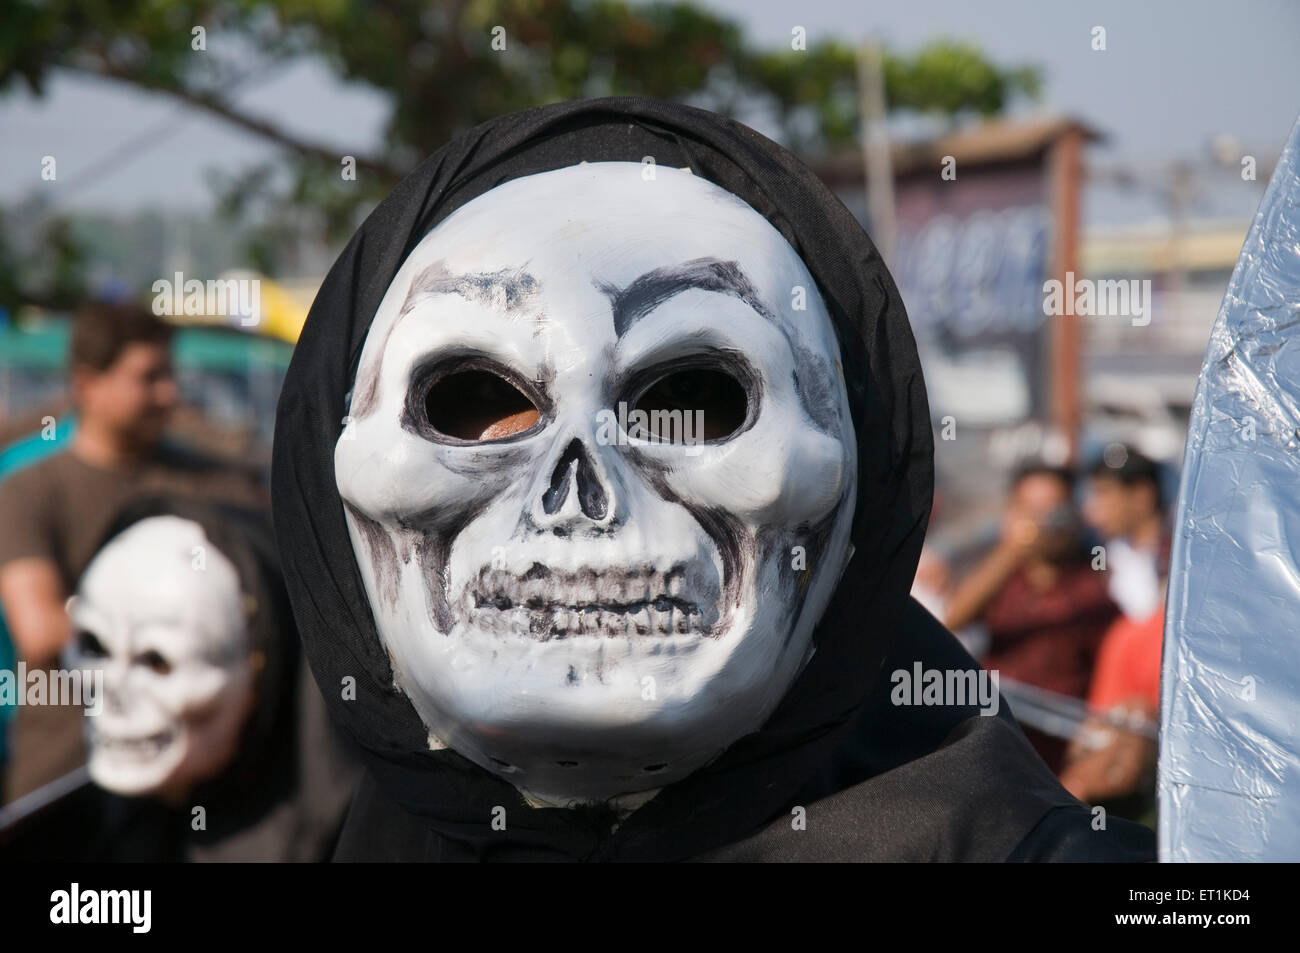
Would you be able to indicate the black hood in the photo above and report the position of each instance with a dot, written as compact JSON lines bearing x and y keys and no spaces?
{"x":757,"y":776}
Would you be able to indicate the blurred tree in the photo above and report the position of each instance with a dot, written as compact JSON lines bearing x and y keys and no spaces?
{"x":815,"y":93}
{"x":442,"y":68}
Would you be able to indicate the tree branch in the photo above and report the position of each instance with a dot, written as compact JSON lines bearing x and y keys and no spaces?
{"x":261,"y":127}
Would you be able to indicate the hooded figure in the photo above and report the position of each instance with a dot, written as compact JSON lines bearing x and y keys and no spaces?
{"x":208,"y":740}
{"x":601,"y":473}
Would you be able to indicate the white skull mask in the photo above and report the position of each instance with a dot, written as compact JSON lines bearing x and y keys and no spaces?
{"x":582,"y":610}
{"x":160,"y":611}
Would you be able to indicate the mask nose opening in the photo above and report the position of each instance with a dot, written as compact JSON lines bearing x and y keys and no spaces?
{"x":575,"y":466}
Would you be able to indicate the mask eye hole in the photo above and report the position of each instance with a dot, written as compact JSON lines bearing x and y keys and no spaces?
{"x":477,"y":404}
{"x":715,"y":400}
{"x":154,"y":661}
{"x":88,"y":645}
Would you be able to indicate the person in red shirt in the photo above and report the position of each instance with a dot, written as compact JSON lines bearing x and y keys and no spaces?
{"x":1112,"y":760}
{"x":1128,"y":666}
{"x":1045,"y":608}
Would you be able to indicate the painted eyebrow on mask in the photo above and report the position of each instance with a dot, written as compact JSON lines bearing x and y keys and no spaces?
{"x":510,"y":288}
{"x":652,"y":289}
{"x":812,"y":376}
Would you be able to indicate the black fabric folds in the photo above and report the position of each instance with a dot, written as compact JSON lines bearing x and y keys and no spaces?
{"x":753,"y":782}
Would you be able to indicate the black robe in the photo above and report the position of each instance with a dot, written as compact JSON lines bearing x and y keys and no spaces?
{"x":948,"y":783}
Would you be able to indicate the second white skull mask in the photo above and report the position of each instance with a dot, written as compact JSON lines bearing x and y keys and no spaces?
{"x":585,"y":611}
{"x":160,"y":611}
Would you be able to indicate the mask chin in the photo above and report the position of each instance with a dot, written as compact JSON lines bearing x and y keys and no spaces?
{"x":136,"y":766}
{"x":602,"y":599}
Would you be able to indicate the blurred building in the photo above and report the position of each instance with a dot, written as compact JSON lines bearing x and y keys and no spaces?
{"x":1139,"y":380}
{"x":984,"y":216}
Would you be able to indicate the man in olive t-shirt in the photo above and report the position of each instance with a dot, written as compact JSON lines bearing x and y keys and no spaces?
{"x":53,"y":514}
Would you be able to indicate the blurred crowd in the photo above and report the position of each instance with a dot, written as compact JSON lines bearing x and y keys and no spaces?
{"x":127,"y":553}
{"x":1066,"y":603}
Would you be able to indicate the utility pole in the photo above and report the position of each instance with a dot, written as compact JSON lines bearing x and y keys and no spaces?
{"x":1066,"y":179}
{"x":877,"y":166}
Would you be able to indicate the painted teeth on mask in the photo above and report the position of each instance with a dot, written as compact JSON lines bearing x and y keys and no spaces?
{"x":139,"y":747}
{"x":546,"y":604}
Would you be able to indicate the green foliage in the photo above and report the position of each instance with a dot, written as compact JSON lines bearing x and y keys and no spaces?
{"x":946,"y":78}
{"x":437,"y":66}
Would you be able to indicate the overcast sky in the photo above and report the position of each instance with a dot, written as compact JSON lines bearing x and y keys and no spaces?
{"x":1175,"y":73}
